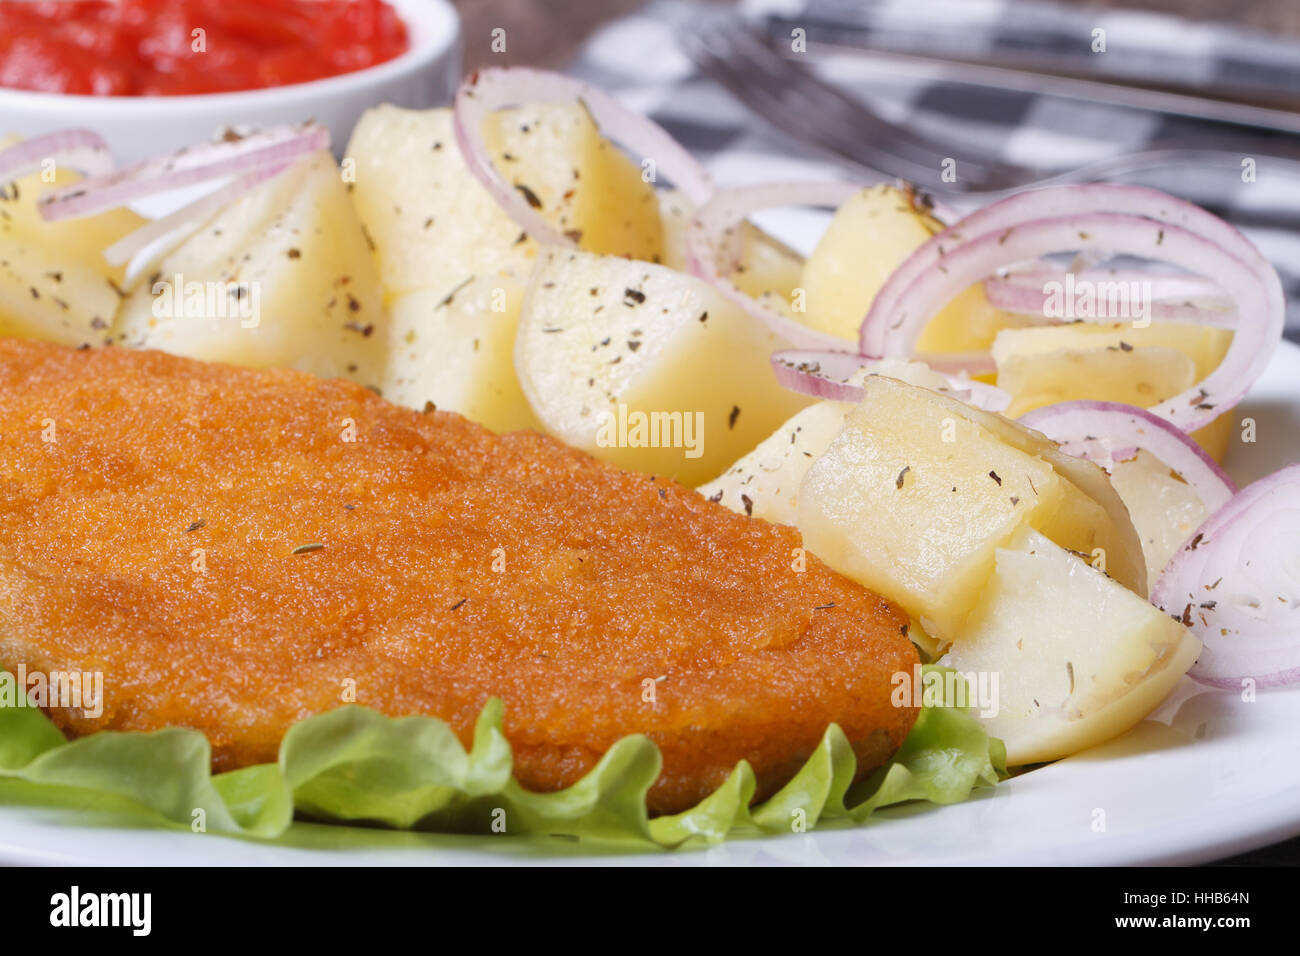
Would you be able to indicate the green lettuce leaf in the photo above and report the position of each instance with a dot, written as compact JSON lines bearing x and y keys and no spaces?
{"x":355,"y":767}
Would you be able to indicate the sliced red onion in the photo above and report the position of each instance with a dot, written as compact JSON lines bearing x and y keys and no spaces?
{"x":269,"y":148}
{"x":78,"y":149}
{"x":487,"y":91}
{"x":828,"y":375}
{"x":1050,"y":203}
{"x":1165,"y":286}
{"x":821,"y":374}
{"x":949,"y":269}
{"x":713,"y":248}
{"x":1236,"y":584}
{"x":133,"y":243}
{"x":1079,"y":425}
{"x":1173,"y":298}
{"x":959,"y":363}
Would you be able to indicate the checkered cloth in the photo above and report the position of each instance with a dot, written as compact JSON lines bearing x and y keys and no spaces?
{"x":639,"y":59}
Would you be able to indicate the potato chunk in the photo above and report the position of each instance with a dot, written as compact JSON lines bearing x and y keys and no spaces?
{"x":54,"y":281}
{"x":870,"y":235}
{"x":1079,"y":659}
{"x":458,"y":352}
{"x":646,"y":367}
{"x":918,"y":491}
{"x":434,"y":226}
{"x":1114,"y":362}
{"x":287,"y":280}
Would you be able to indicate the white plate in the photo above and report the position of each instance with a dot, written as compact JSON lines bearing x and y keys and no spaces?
{"x":1208,"y":775}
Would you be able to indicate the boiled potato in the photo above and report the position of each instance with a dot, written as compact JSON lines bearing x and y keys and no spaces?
{"x":646,"y":367}
{"x":433,"y":224}
{"x":580,"y":181}
{"x":457,"y":351}
{"x":54,"y":282}
{"x":1165,"y":509}
{"x":1141,"y":377}
{"x":44,"y":297}
{"x":1203,"y":344}
{"x":1030,"y":360}
{"x":869,"y":237}
{"x":917,"y":492}
{"x":768,"y":268}
{"x":283,"y":277}
{"x":1079,"y":659}
{"x":765,"y":483}
{"x":77,"y":240}
{"x":675,"y":212}
{"x":1092,"y":521}
{"x":912,"y":500}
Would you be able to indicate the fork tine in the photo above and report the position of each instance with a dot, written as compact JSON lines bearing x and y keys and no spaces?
{"x":798,"y":103}
{"x":843,"y":135}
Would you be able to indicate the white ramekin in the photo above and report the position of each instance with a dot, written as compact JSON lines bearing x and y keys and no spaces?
{"x":140,"y":126}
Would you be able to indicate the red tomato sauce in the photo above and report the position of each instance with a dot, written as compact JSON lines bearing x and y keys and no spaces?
{"x":172,"y":47}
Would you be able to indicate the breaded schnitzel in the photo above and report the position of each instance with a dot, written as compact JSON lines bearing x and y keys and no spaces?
{"x":234,"y":549}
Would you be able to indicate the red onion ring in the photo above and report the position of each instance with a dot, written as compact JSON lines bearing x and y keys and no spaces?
{"x":827,"y":374}
{"x":945,"y":272}
{"x":1051,"y":203}
{"x":1236,"y":584}
{"x":79,"y":149}
{"x":821,"y":374}
{"x":268,"y":148}
{"x":487,"y":91}
{"x":1024,"y":293}
{"x":713,"y":248}
{"x":1075,"y":425}
{"x":135,"y":242}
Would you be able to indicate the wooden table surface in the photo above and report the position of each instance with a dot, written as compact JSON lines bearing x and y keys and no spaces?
{"x":549,"y":32}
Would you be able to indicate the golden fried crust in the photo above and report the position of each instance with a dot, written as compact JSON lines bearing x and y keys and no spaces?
{"x":153,"y":539}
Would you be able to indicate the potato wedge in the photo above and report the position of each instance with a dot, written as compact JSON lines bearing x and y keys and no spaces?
{"x":1079,"y":659}
{"x":580,"y":181}
{"x":915,"y":495}
{"x":768,"y":268}
{"x":765,"y":483}
{"x":1022,"y":367}
{"x":870,"y":235}
{"x":76,"y":240}
{"x":43,"y":296}
{"x":286,"y":279}
{"x":433,"y":224}
{"x":912,"y":501}
{"x":457,"y":351}
{"x":646,"y":367}
{"x":1141,"y":377}
{"x":1165,"y":510}
{"x":54,"y":281}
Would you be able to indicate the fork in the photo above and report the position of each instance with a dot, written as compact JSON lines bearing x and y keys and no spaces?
{"x":790,"y":98}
